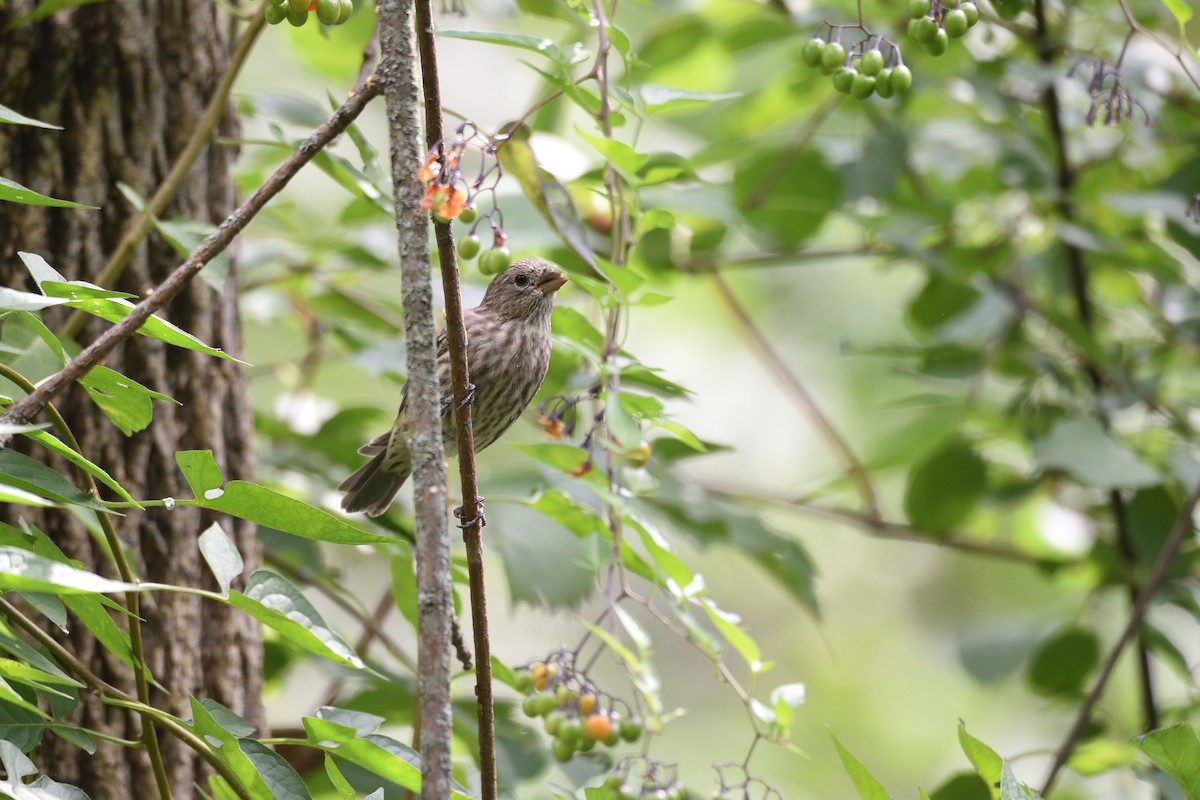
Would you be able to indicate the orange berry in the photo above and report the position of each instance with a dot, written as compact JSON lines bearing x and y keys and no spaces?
{"x":587,"y":704}
{"x":598,"y":727}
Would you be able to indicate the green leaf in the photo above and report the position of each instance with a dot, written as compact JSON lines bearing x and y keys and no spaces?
{"x":786,"y":194}
{"x":943,"y":489}
{"x":868,"y":787}
{"x":556,"y":455}
{"x":21,"y":570}
{"x":222,"y":556}
{"x":13,"y":300}
{"x":1176,"y":751}
{"x":1062,"y":663}
{"x":275,"y":602}
{"x":963,"y":786}
{"x":14,"y":192}
{"x":274,"y":510}
{"x":623,"y":158}
{"x":123,"y":400}
{"x":1082,"y":449}
{"x":1012,"y":789}
{"x":10,"y":117}
{"x":1182,"y":13}
{"x":380,"y":755}
{"x":54,"y":445}
{"x":340,"y":784}
{"x":23,"y":472}
{"x":226,"y":746}
{"x":47,"y":7}
{"x":200,"y":470}
{"x":280,"y":777}
{"x":521,"y":41}
{"x":665,"y":98}
{"x":985,"y":760}
{"x":18,"y":768}
{"x":730,"y":627}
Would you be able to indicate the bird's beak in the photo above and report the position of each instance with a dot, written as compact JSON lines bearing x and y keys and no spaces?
{"x":551,"y":281}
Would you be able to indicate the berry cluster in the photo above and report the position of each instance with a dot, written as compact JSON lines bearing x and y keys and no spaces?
{"x":861,"y":70}
{"x":934,"y":25}
{"x":640,"y":778}
{"x":575,"y":714}
{"x":450,"y":195}
{"x":329,"y":12}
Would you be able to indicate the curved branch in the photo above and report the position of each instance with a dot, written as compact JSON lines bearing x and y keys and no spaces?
{"x":217,"y":241}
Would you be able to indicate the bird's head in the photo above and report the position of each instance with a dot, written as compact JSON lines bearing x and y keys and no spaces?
{"x":524,"y":290}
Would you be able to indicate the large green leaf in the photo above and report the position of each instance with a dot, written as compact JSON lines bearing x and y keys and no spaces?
{"x":786,"y":194}
{"x":275,"y":602}
{"x":123,"y":400}
{"x":1082,"y":449}
{"x":1176,"y":751}
{"x":944,"y":489}
{"x":22,"y":570}
{"x":14,"y":192}
{"x":1063,"y":662}
{"x":24,"y":473}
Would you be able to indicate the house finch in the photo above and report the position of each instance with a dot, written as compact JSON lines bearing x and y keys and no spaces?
{"x":508,"y":350}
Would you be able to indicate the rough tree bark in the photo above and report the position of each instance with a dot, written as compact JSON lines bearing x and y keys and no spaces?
{"x":127,"y":80}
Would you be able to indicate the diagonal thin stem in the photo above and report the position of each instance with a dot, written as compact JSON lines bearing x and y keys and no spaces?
{"x":800,"y":397}
{"x":213,"y":245}
{"x":1141,"y":605}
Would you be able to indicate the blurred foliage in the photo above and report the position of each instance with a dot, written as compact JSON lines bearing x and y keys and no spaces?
{"x":1034,"y":410}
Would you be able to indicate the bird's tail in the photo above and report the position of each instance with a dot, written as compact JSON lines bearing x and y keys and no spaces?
{"x":371,"y":488}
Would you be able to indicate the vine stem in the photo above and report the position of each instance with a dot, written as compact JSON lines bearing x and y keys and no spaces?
{"x":471,"y":511}
{"x":216,"y":242}
{"x":132,"y":600}
{"x":1141,"y":605}
{"x":206,"y":128}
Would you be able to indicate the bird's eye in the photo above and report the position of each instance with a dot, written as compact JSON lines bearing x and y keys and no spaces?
{"x":522,"y":280}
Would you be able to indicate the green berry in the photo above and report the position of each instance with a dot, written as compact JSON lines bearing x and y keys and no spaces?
{"x":297,"y":5}
{"x":955,"y":23}
{"x":345,"y":9}
{"x":553,"y":722}
{"x":571,"y":731}
{"x":923,"y":30}
{"x":530,"y":706}
{"x":613,"y":738}
{"x":469,"y":214}
{"x":275,"y":14}
{"x":468,"y":248}
{"x":328,"y":11}
{"x":297,"y":18}
{"x":833,"y":56}
{"x":871,"y":62}
{"x":562,"y":750}
{"x":862,"y":87}
{"x":546,"y":701}
{"x":630,"y":729}
{"x":493,"y":262}
{"x":883,"y":83}
{"x":565,"y":695}
{"x":919,"y":8}
{"x":522,"y":680}
{"x":972,"y":12}
{"x":811,"y":53}
{"x":902,"y":79}
{"x":938,"y":44}
{"x":843,"y":79}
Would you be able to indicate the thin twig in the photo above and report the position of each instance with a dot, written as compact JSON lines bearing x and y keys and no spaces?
{"x":795,"y":389}
{"x":471,"y":511}
{"x":213,"y":245}
{"x":132,"y":598}
{"x":206,"y":128}
{"x":398,"y":71}
{"x":896,"y":531}
{"x":1141,"y":605}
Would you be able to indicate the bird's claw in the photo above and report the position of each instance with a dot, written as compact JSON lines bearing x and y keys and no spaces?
{"x":479,"y":518}
{"x":470,"y":398}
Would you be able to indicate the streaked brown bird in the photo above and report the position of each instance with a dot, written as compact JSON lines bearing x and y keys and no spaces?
{"x":508,"y":351}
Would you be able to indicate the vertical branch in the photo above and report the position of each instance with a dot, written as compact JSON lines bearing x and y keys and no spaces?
{"x":1077,"y":275}
{"x":398,"y":71}
{"x":471,"y":511}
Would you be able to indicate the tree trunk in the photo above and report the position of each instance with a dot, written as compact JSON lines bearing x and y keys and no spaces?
{"x":128,"y":80}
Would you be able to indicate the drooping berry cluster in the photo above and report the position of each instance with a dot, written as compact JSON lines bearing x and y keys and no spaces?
{"x":1108,"y":92}
{"x":575,"y":713}
{"x":450,"y":195}
{"x":872,"y":65}
{"x":934,"y":25}
{"x":329,"y":12}
{"x":641,"y":778}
